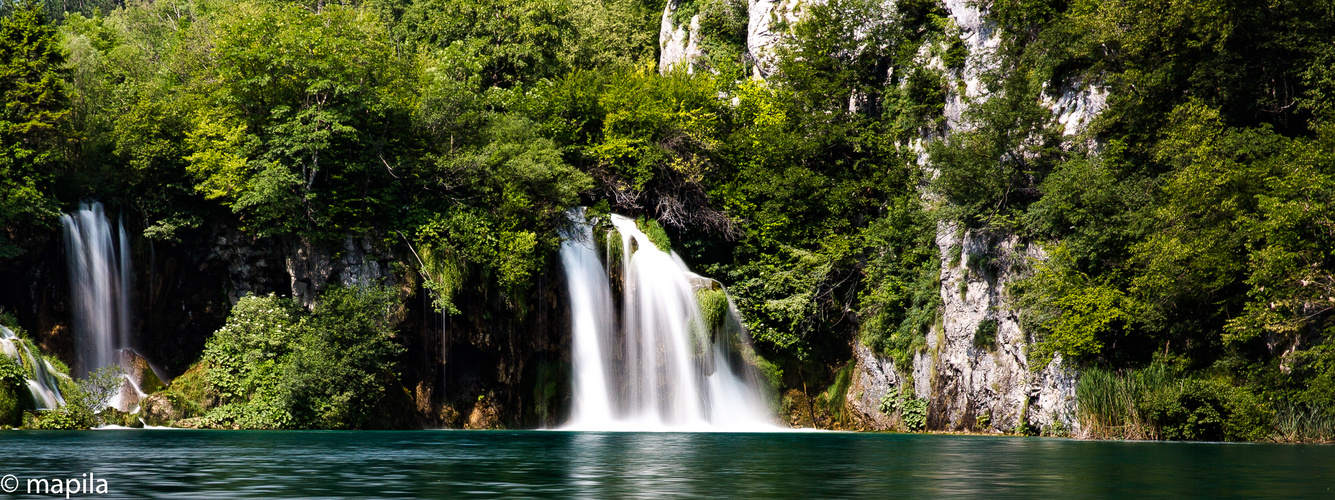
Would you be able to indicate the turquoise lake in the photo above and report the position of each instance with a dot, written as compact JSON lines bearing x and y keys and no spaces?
{"x":449,"y":464}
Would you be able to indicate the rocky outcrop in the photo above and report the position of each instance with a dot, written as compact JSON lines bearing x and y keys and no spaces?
{"x":679,"y":45}
{"x":975,"y":372}
{"x":981,"y":39}
{"x":138,"y":370}
{"x":764,"y":18}
{"x":874,"y":378}
{"x":1077,"y":106}
{"x":975,"y":365}
{"x":313,"y":267}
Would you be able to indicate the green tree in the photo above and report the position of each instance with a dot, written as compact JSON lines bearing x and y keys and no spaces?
{"x":33,"y":121}
{"x":307,"y":120}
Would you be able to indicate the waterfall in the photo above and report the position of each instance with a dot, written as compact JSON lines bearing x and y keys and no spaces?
{"x":99,"y":269}
{"x":42,"y":383}
{"x":591,"y":322}
{"x":662,"y":369}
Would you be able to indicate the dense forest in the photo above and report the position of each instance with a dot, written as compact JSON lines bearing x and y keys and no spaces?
{"x":1187,"y":233}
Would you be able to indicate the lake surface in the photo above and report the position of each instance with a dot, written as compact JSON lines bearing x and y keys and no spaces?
{"x":447,"y":464}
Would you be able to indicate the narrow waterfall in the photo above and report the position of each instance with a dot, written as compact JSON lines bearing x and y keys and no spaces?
{"x":42,"y":383}
{"x":662,"y":369}
{"x":99,"y":269}
{"x":591,"y":323}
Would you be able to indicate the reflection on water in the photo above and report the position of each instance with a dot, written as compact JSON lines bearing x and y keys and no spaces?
{"x":219,"y":464}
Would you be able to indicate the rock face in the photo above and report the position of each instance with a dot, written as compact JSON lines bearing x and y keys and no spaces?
{"x":679,"y":45}
{"x":139,"y":371}
{"x":875,"y":378}
{"x":982,"y":39}
{"x":975,"y":372}
{"x":1077,"y":106}
{"x":975,"y":364}
{"x":312,"y":268}
{"x":762,"y":34}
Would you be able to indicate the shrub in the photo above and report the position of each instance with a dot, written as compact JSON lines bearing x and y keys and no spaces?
{"x":346,"y":358}
{"x":83,"y":401}
{"x":1197,"y":413}
{"x":14,"y":396}
{"x":985,"y":336}
{"x":275,"y":366}
{"x":915,"y":414}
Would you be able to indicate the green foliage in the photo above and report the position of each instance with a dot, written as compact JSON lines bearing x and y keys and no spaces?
{"x":1067,"y":312}
{"x":714,"y":306}
{"x":191,"y":393}
{"x":985,"y":336}
{"x":340,"y":368}
{"x":912,"y":410}
{"x":1156,"y":403}
{"x":34,"y":109}
{"x":304,"y":108}
{"x":834,"y":398}
{"x":1113,"y":405}
{"x":1299,"y":424}
{"x":12,"y":374}
{"x":524,"y":45}
{"x":14,"y":397}
{"x":914,"y":414}
{"x":656,"y":234}
{"x":84,"y":402}
{"x":889,"y":403}
{"x":613,"y":34}
{"x":902,"y":298}
{"x":274,"y":366}
{"x":990,"y":174}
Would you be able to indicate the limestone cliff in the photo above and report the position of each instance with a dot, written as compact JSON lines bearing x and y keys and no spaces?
{"x":679,"y":44}
{"x":974,"y":370}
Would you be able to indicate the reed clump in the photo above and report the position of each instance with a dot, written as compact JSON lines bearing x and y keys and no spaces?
{"x":1123,"y":405}
{"x":1295,"y":423}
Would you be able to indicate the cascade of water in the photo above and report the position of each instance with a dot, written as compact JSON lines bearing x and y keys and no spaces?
{"x":591,"y":320}
{"x":99,"y":268}
{"x":661,"y":370}
{"x":41,"y":383}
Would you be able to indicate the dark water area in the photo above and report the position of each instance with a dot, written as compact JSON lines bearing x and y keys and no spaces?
{"x":448,"y":464}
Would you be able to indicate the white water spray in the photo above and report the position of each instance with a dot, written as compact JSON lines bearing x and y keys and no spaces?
{"x":99,"y":269}
{"x":662,"y":371}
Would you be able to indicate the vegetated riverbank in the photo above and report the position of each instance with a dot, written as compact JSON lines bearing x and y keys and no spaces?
{"x":936,"y":215}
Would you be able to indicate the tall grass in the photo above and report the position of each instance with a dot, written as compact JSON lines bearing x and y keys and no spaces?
{"x":833,"y":399}
{"x":1118,"y":405}
{"x":1303,"y":424}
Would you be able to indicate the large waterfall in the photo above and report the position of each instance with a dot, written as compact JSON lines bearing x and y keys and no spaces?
{"x":662,"y":368}
{"x":99,"y":269}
